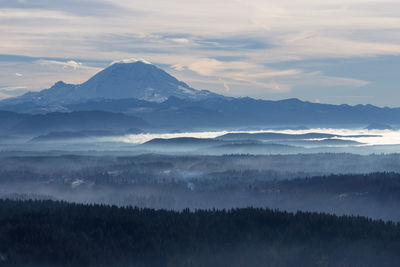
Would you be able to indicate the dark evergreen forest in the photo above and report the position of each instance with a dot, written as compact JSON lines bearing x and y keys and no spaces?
{"x":48,"y":233}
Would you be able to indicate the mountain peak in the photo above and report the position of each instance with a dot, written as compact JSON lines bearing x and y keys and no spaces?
{"x":123,"y":79}
{"x":131,"y":60}
{"x":137,"y":79}
{"x":59,"y":83}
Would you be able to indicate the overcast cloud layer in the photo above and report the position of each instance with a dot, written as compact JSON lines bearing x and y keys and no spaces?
{"x":330,"y":51}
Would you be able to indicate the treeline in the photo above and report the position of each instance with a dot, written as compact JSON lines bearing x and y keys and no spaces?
{"x":47,"y":233}
{"x":155,"y":167}
{"x":324,"y":163}
{"x":374,"y":195}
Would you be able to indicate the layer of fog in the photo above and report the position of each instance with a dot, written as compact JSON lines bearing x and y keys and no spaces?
{"x":384,"y":137}
{"x":377,"y":141}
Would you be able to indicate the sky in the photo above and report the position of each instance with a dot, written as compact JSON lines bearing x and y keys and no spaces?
{"x":331,"y":51}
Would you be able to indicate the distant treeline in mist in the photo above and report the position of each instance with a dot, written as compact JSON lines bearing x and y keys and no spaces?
{"x":47,"y":233}
{"x":172,"y":182}
{"x":309,"y":164}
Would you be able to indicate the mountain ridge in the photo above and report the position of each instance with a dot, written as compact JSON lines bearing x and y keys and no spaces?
{"x":34,"y":124}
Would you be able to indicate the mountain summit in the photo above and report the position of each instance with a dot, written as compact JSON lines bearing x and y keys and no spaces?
{"x":121,"y":80}
{"x":139,"y":80}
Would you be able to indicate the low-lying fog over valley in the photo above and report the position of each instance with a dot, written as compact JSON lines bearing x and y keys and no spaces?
{"x":332,"y":183}
{"x":270,"y":141}
{"x":364,"y":136}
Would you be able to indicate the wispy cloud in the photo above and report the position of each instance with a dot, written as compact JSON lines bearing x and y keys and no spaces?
{"x":68,"y":64}
{"x":20,"y":76}
{"x":226,"y":85}
{"x":7,"y":92}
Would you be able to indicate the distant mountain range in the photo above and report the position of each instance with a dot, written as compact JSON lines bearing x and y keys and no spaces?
{"x":378,"y":126}
{"x":141,"y":90}
{"x":39,"y":124}
{"x":244,"y":112}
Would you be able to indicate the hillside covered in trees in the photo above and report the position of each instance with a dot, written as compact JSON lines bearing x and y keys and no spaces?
{"x":46,"y":233}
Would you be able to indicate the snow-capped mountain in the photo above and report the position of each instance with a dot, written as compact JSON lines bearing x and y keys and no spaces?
{"x":122,"y":79}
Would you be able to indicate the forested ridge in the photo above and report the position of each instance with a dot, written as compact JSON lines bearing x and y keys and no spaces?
{"x":48,"y":233}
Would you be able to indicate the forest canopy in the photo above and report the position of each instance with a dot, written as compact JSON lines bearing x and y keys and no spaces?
{"x":48,"y":233}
